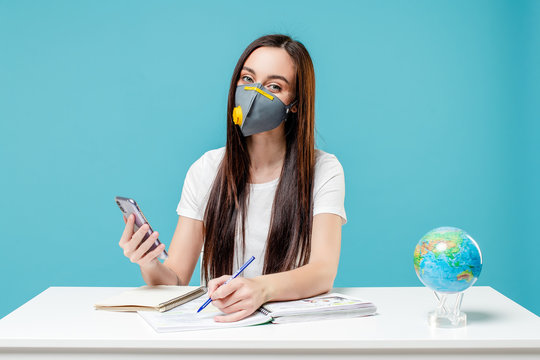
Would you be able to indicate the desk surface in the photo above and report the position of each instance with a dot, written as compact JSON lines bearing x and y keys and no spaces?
{"x":64,"y":318}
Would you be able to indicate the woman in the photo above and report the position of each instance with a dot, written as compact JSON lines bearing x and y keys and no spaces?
{"x":267,"y":193}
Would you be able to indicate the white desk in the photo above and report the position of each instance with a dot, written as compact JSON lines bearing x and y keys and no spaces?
{"x":61,"y":323}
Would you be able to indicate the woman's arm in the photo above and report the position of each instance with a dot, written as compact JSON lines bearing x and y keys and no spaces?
{"x":241,"y":296}
{"x":185,"y":248}
{"x":318,"y":275}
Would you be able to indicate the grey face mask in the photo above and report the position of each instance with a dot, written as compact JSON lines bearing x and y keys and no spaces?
{"x":257,"y":110}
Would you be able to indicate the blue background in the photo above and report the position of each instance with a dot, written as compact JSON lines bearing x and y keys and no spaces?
{"x":431,"y":107}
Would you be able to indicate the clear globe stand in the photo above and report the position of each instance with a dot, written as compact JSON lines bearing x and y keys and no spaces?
{"x":447,"y":316}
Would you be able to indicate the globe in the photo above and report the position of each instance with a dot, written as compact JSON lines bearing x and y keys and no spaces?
{"x":447,"y":260}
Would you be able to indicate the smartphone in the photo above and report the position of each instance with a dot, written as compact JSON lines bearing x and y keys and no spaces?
{"x":129,"y":206}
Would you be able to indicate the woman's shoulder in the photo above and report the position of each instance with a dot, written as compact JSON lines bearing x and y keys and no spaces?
{"x":328,"y":169}
{"x":326,"y":162}
{"x":209,"y":161}
{"x":213,"y":156}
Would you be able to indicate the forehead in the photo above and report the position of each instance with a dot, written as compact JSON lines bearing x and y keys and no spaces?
{"x":272,"y":61}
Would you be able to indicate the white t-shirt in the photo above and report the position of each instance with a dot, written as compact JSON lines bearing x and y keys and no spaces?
{"x":328,"y":197}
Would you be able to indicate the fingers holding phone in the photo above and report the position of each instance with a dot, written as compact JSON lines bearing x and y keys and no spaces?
{"x":136,"y":245}
{"x":128,"y":230}
{"x":139,"y":242}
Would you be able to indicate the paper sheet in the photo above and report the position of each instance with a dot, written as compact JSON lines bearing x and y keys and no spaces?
{"x":185,"y":317}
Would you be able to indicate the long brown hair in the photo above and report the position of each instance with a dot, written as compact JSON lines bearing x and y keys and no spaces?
{"x":289,"y":237}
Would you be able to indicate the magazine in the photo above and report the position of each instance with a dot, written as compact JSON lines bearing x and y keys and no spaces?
{"x":326,"y":306}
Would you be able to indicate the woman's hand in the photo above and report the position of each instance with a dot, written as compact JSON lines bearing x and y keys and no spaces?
{"x":238,"y":299}
{"x":134,"y":249}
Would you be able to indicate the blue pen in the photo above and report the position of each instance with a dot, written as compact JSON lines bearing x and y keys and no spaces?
{"x":238,"y":272}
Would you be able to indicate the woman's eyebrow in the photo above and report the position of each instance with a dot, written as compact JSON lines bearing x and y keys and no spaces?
{"x":269,"y":77}
{"x":249,"y":69}
{"x":279,"y":77}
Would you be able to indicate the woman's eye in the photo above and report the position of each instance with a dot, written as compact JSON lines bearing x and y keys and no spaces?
{"x":274,"y":87}
{"x":247,"y":78}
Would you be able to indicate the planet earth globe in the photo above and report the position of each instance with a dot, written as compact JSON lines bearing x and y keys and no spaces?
{"x":447,"y":260}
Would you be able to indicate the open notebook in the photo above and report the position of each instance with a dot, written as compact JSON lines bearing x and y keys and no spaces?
{"x":144,"y":298}
{"x":327,"y":306}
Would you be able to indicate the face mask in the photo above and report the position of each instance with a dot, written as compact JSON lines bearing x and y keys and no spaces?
{"x":257,"y":111}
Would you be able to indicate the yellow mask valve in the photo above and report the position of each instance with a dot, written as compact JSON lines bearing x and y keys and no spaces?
{"x":259,"y":91}
{"x":237,"y":115}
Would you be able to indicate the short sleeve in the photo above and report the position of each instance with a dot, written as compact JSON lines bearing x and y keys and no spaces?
{"x":190,"y":204}
{"x":329,"y":187}
{"x":198,"y":183}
